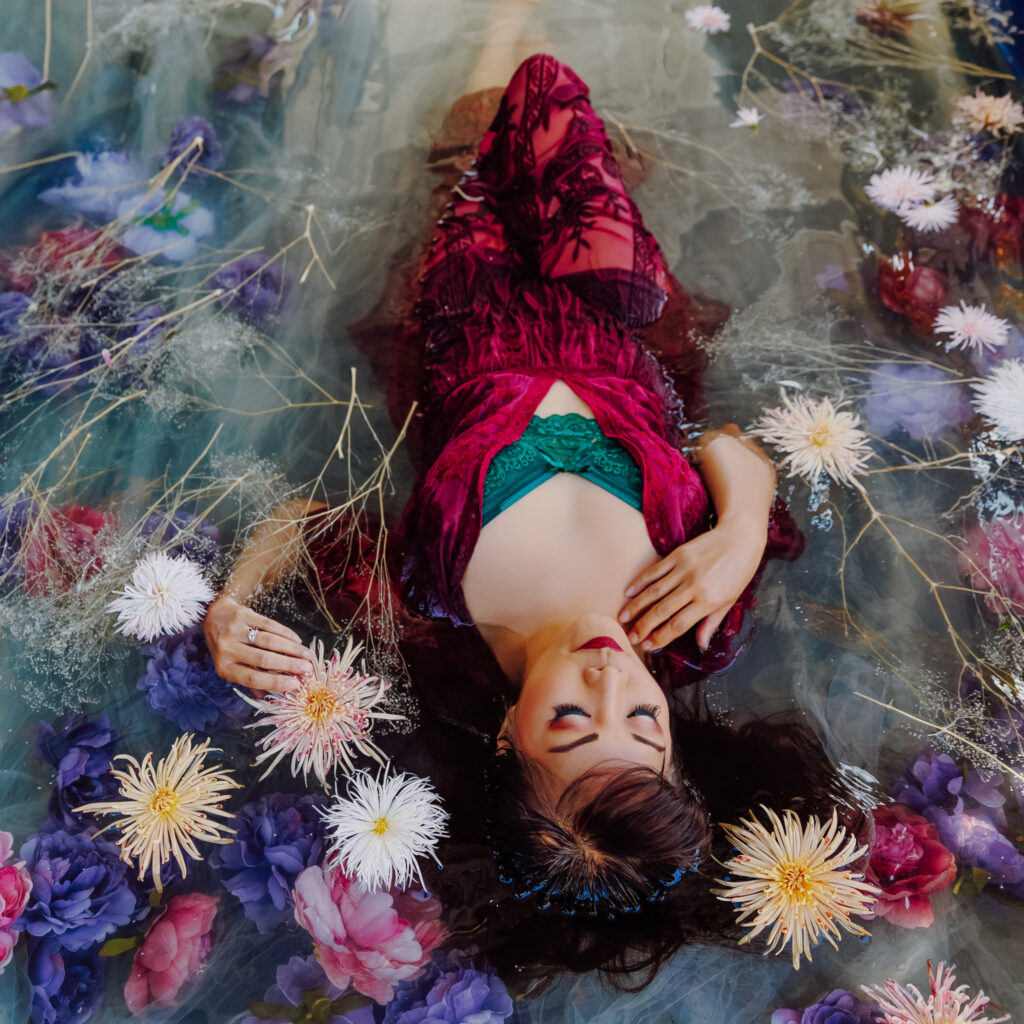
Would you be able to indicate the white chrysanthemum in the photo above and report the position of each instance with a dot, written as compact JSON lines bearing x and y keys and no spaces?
{"x":931,"y":216}
{"x":708,"y":18}
{"x":1001,"y":115}
{"x":899,"y":188}
{"x":795,"y":880}
{"x":384,"y":825}
{"x":747,"y":117}
{"x":904,"y":1004}
{"x":971,"y":327}
{"x":817,"y":437}
{"x":999,"y":397}
{"x":164,"y":595}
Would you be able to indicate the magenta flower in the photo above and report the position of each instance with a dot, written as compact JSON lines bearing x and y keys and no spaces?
{"x":993,"y":558}
{"x":15,"y":888}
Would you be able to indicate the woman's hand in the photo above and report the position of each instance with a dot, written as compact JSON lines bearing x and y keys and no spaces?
{"x":697,"y":583}
{"x":274,"y":659}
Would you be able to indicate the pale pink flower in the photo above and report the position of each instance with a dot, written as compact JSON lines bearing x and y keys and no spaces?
{"x":971,"y":327}
{"x":1000,"y":115}
{"x":931,"y":216}
{"x":900,"y":188}
{"x":993,"y":559}
{"x":15,"y":887}
{"x":708,"y":18}
{"x":904,"y":1004}
{"x":360,"y":940}
{"x":999,"y":397}
{"x":173,"y":950}
{"x":747,"y":117}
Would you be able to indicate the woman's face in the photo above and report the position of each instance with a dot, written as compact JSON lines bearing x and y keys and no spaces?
{"x":586,"y":699}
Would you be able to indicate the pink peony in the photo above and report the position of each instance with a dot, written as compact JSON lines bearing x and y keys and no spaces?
{"x":63,"y":547}
{"x":909,"y":865}
{"x":15,"y":886}
{"x":993,"y":558}
{"x":173,"y":950}
{"x":360,"y":939}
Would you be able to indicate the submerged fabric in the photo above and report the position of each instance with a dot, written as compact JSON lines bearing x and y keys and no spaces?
{"x":550,"y":445}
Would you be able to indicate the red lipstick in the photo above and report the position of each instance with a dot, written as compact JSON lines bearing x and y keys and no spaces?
{"x":599,"y":641}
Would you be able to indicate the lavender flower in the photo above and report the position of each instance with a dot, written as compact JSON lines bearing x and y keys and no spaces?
{"x":98,"y":185}
{"x":299,"y":976}
{"x":181,"y":684}
{"x":922,"y":400}
{"x":933,"y":780}
{"x":144,"y":329}
{"x":67,"y":987}
{"x":80,"y":889}
{"x":276,"y":838}
{"x":193,"y":537}
{"x":974,"y":840}
{"x":12,"y":306}
{"x":255,"y":287}
{"x":168,"y":224}
{"x":986,"y":360}
{"x":15,"y":516}
{"x":841,"y":1007}
{"x":80,"y":749}
{"x":452,"y":993}
{"x":210,"y":156}
{"x":25,"y":100}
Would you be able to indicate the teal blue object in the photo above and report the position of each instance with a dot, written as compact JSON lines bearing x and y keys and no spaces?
{"x":560,"y":444}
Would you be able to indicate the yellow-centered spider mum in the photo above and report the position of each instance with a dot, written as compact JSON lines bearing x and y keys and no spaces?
{"x":795,"y":881}
{"x":328,"y":712}
{"x":817,"y":437}
{"x":165,"y":809}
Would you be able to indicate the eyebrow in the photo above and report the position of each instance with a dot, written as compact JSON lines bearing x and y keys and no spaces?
{"x":590,"y":737}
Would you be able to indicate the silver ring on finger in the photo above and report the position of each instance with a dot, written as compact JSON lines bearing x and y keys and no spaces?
{"x":251,"y":635}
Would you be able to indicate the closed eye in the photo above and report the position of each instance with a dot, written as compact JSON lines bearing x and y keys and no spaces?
{"x":561,"y":710}
{"x":648,"y":710}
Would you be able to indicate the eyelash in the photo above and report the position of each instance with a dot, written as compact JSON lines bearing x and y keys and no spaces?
{"x":650,"y":710}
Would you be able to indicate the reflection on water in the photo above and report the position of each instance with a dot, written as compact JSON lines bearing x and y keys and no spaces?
{"x":176,"y":363}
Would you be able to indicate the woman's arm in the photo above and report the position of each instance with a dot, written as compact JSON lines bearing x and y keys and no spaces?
{"x":276,"y":656}
{"x":701,"y":580}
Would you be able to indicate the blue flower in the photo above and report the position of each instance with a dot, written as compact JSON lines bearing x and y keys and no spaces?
{"x":67,"y":987}
{"x":181,"y":684}
{"x":12,"y":306}
{"x":841,"y":1007}
{"x":301,"y":975}
{"x":255,"y":287}
{"x":210,"y":156}
{"x":921,"y":400}
{"x":167,"y":223}
{"x":453,"y":994}
{"x":276,"y":838}
{"x":195,"y":538}
{"x":25,"y":101}
{"x":80,"y":889}
{"x":99,"y":184}
{"x":15,"y":516}
{"x":80,"y":749}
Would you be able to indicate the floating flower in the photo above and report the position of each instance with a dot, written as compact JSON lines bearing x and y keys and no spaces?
{"x":451,"y":993}
{"x":208,"y":155}
{"x":999,"y":397}
{"x":1000,"y":115}
{"x":931,"y":216}
{"x":80,"y":890}
{"x":67,"y":986}
{"x":838,"y":1007}
{"x":796,"y":881}
{"x":912,"y":291}
{"x":164,"y":810}
{"x":98,"y":186}
{"x":63,"y":547}
{"x":993,"y":560}
{"x":186,"y":534}
{"x":909,"y":865}
{"x":747,"y":117}
{"x":164,"y":595}
{"x":15,"y":516}
{"x":173,"y":950}
{"x":253,"y":285}
{"x":900,"y":188}
{"x":359,"y":938}
{"x":276,"y":838}
{"x":64,"y":258}
{"x":904,"y":1004}
{"x":182,"y":684}
{"x":15,"y":887}
{"x":924,"y":401}
{"x":886,"y":17}
{"x":708,"y":18}
{"x":299,"y":979}
{"x":817,"y":438}
{"x":327,"y":712}
{"x":386,"y":823}
{"x":971,"y":327}
{"x":167,"y":224}
{"x":25,"y":100}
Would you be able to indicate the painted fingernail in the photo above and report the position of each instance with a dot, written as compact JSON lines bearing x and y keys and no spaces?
{"x":623,"y":616}
{"x":634,"y":638}
{"x":630,"y":591}
{"x":647,"y":646}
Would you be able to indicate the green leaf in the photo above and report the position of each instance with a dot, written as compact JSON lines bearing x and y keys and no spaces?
{"x":115,"y":947}
{"x":346,"y":1004}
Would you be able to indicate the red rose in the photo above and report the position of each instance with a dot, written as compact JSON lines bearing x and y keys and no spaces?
{"x":61,"y":548}
{"x":997,"y":227}
{"x":914,"y":292}
{"x":908,"y":863}
{"x":73,"y":250}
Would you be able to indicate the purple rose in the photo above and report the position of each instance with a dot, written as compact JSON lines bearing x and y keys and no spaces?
{"x":181,"y":684}
{"x":933,"y":780}
{"x":276,"y":838}
{"x":452,"y":993}
{"x":193,"y":537}
{"x":254,"y":287}
{"x":67,"y":987}
{"x":923,"y":401}
{"x":80,"y":749}
{"x":210,"y":155}
{"x":25,"y":100}
{"x":301,"y":975}
{"x":80,"y":889}
{"x":841,"y":1007}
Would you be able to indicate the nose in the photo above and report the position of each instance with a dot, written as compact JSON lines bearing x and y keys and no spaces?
{"x":608,"y":682}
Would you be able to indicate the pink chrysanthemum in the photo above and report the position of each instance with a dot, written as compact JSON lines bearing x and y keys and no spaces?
{"x":971,"y":327}
{"x":904,"y":1004}
{"x":1000,"y":115}
{"x":900,"y":188}
{"x":317,"y":722}
{"x":708,"y":18}
{"x":931,"y":216}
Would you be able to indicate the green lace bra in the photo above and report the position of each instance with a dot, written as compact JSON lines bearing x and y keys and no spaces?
{"x":568,"y":443}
